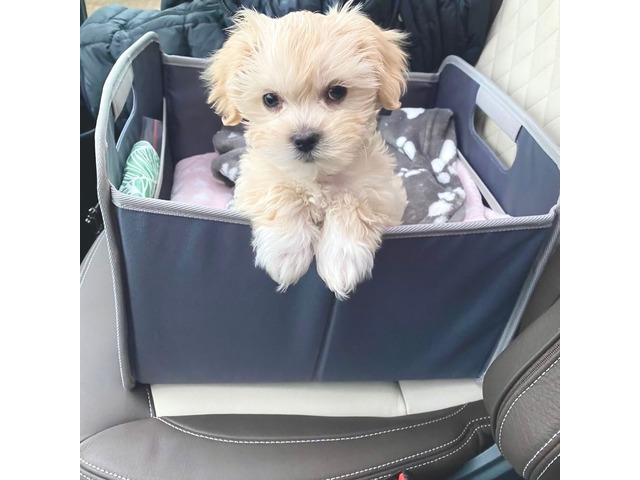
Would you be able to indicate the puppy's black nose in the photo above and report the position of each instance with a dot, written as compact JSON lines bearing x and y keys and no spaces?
{"x":306,"y":141}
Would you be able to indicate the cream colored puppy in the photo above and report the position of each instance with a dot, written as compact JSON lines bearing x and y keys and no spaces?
{"x":316,"y":178}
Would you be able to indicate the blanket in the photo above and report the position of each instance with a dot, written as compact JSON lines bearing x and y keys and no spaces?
{"x":424,"y":144}
{"x":439,"y":187}
{"x":193,"y":183}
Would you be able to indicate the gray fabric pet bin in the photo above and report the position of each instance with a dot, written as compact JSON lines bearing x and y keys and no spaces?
{"x":444,"y":299}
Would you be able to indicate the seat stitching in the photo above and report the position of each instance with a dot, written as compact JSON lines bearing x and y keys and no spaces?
{"x":541,"y":448}
{"x":518,"y":398}
{"x":552,"y":64}
{"x":310,"y":440}
{"x":503,"y":21}
{"x":515,"y":40}
{"x":83,"y":475}
{"x":104,"y":471}
{"x":424,"y":463}
{"x":545,"y":468}
{"x":369,"y":468}
{"x":546,"y":97}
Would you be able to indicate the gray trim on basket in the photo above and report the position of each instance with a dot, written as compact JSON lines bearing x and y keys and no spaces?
{"x":179,"y":61}
{"x":501,"y":114}
{"x":121,"y":92}
{"x":167,"y":207}
{"x":120,"y":69}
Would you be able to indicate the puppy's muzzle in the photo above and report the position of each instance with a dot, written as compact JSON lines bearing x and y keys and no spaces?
{"x":305,"y":141}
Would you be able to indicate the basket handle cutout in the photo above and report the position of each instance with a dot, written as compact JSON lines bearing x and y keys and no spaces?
{"x":496,"y":127}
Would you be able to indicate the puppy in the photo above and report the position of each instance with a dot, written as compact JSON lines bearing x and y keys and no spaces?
{"x":316,"y":177}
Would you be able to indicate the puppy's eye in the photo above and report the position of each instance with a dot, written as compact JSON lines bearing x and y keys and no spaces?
{"x":336,"y":93}
{"x":270,"y":100}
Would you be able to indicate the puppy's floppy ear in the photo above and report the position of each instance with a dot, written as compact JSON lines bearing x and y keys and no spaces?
{"x":227,"y":62}
{"x":382,"y":47}
{"x":393,"y":67}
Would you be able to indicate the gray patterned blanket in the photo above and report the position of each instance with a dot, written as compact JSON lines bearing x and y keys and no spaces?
{"x":424,"y":144}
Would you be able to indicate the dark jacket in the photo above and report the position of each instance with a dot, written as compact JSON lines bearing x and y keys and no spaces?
{"x":437,"y":28}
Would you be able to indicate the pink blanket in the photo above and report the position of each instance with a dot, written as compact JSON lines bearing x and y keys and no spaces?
{"x":194,"y":184}
{"x":474,"y":209}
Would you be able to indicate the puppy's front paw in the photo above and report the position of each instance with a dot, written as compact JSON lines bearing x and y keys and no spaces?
{"x":343,"y":265}
{"x":285,"y":256}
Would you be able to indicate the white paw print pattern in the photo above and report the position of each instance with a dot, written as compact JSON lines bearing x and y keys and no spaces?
{"x":443,"y":172}
{"x":412,"y":113}
{"x":407,"y":146}
{"x":230,"y":173}
{"x":406,"y":173}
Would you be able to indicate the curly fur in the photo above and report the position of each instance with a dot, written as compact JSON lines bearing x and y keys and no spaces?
{"x":336,"y":202}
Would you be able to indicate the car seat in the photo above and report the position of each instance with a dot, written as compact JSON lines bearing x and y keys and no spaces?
{"x":430,"y":429}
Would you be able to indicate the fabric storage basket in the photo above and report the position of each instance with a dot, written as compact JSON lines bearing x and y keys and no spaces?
{"x":191,"y":307}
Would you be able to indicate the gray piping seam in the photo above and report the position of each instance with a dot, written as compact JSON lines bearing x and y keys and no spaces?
{"x":461,"y":232}
{"x":178,"y":213}
{"x":111,"y":474}
{"x":419,"y":233}
{"x":310,"y":440}
{"x":90,"y":254}
{"x":455,"y":228}
{"x":546,"y":468}
{"x":504,"y":419}
{"x":538,"y":452}
{"x":385,"y":236}
{"x":420,"y":454}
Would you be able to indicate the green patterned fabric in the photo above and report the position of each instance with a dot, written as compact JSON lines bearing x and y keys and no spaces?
{"x":141,"y":172}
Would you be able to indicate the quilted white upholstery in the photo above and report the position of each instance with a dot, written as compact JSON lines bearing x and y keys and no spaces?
{"x":522,"y":56}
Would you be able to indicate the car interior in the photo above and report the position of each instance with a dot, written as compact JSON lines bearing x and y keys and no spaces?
{"x":187,"y":419}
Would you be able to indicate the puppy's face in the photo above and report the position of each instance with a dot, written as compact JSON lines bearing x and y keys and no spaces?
{"x":307,"y":85}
